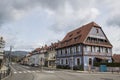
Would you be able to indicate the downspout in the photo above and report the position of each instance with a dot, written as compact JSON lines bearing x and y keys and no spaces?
{"x":82,"y":48}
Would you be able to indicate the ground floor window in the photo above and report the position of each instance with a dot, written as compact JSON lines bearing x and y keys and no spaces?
{"x":66,"y":61}
{"x":90,"y":61}
{"x":78,"y":61}
{"x":61,"y":61}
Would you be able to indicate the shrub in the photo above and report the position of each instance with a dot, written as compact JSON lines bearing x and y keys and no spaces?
{"x":63,"y":66}
{"x":107,"y":64}
{"x":78,"y":67}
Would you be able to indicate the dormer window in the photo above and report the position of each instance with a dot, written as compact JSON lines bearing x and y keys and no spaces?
{"x":97,"y":30}
{"x":70,"y":35}
{"x":78,"y":32}
{"x":77,"y":38}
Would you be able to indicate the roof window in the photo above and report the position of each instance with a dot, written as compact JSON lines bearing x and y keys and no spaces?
{"x":78,"y":31}
{"x":70,"y":35}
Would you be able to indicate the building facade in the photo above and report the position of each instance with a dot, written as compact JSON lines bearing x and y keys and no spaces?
{"x":37,"y":57}
{"x":51,"y":55}
{"x":45,"y":56}
{"x":2,"y":45}
{"x":84,"y":46}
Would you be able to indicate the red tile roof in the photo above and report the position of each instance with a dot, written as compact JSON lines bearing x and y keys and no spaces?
{"x":116,"y":58}
{"x":44,"y":48}
{"x":78,"y":35}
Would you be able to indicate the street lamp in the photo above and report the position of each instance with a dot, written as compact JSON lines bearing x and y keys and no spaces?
{"x":10,"y":54}
{"x":41,"y":63}
{"x":71,"y":61}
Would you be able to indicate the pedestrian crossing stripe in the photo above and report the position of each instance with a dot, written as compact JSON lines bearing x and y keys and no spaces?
{"x":33,"y":71}
{"x":26,"y":72}
{"x":19,"y":72}
{"x":29,"y":71}
{"x":15,"y":72}
{"x":49,"y":71}
{"x":37,"y":71}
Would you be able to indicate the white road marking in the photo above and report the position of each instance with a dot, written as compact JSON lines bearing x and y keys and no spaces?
{"x":19,"y":72}
{"x":29,"y":71}
{"x":49,"y":71}
{"x":26,"y":67}
{"x":33,"y":71}
{"x":37,"y":71}
{"x":24,"y":71}
{"x":15,"y":72}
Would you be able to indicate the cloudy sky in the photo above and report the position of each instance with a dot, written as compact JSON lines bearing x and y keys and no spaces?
{"x":27,"y":24}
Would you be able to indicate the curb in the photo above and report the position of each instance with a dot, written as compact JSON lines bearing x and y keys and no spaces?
{"x":7,"y":76}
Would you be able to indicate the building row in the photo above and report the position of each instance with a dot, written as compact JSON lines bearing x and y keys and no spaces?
{"x":45,"y":56}
{"x":83,"y":46}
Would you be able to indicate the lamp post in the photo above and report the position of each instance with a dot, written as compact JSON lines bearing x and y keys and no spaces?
{"x":72,"y":62}
{"x":10,"y":54}
{"x":41,"y":63}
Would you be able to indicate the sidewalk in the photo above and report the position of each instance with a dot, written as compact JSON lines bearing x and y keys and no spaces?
{"x":3,"y":68}
{"x":78,"y":71}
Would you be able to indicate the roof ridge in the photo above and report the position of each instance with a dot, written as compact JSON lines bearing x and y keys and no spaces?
{"x":82,"y":26}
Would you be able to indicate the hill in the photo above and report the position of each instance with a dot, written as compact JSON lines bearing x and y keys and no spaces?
{"x":17,"y":53}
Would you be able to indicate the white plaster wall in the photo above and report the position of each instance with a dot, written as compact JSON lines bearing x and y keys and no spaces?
{"x":93,"y":33}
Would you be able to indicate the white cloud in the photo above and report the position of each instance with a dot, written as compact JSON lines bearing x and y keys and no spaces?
{"x":113,"y":33}
{"x":65,"y":14}
{"x":94,"y":13}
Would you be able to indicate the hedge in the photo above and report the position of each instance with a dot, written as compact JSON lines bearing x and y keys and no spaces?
{"x":63,"y":66}
{"x":77,"y":67}
{"x":107,"y":64}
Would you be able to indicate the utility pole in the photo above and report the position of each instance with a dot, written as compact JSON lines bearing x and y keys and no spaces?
{"x":72,"y":62}
{"x":41,"y":63}
{"x":10,"y":54}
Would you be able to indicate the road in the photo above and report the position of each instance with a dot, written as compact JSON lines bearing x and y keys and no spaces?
{"x":21,"y":72}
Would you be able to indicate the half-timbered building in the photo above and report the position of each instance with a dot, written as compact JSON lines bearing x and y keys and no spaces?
{"x":84,"y":46}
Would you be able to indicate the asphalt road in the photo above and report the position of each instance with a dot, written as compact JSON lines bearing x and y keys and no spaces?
{"x":21,"y":72}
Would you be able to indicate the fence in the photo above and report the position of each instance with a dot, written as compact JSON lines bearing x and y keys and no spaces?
{"x":4,"y":73}
{"x":109,"y":69}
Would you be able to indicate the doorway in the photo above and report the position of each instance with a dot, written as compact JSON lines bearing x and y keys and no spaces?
{"x":90,"y":61}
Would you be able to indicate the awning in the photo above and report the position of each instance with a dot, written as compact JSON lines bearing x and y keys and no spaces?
{"x":103,"y":58}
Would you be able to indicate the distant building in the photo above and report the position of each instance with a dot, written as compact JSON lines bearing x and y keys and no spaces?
{"x":37,"y":57}
{"x":46,"y":56}
{"x":116,"y":58}
{"x":2,"y":45}
{"x":51,"y":55}
{"x":84,"y":46}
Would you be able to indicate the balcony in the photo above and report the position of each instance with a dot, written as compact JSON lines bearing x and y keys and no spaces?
{"x":96,"y":42}
{"x":98,"y":54}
